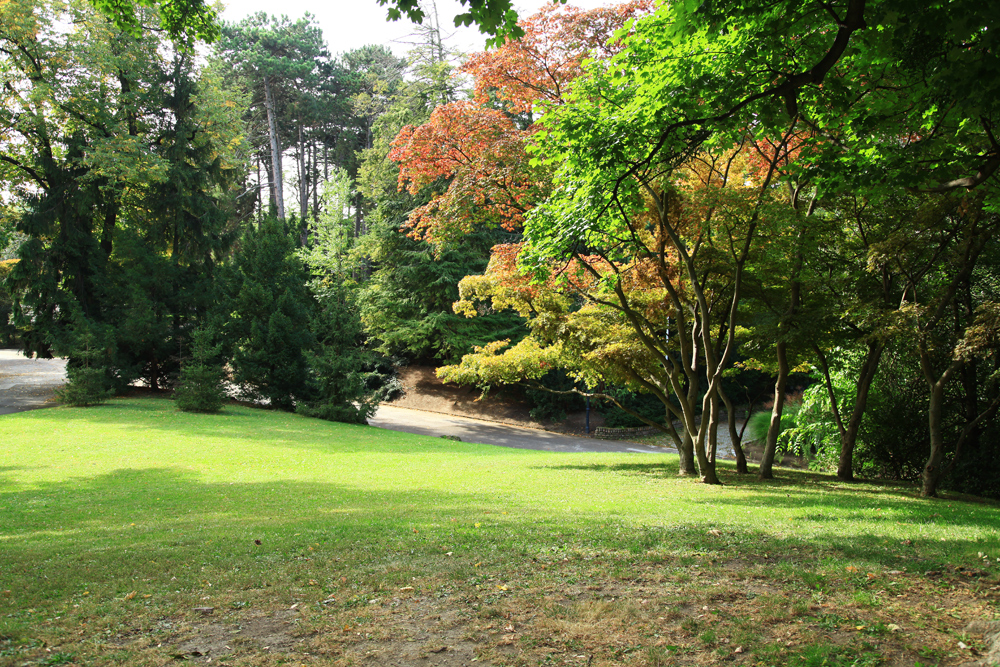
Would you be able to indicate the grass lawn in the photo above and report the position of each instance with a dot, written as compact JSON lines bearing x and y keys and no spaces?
{"x":134,"y":534}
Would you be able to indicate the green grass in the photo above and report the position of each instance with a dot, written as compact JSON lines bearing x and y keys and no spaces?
{"x":116,"y":521}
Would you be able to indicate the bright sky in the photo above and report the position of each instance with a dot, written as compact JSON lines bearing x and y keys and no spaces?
{"x":354,"y":23}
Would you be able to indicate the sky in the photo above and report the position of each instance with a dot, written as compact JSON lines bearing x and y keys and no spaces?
{"x":351,"y":24}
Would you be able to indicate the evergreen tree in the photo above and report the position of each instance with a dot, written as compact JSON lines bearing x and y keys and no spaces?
{"x":343,"y":388}
{"x":199,"y":386}
{"x":269,"y":311}
{"x":89,"y":347}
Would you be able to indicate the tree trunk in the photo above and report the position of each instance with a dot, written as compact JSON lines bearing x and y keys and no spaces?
{"x":705,"y":466}
{"x":686,"y":453}
{"x":771,"y":445}
{"x":272,"y":131}
{"x":260,"y":201}
{"x":303,"y":180}
{"x":315,"y":183}
{"x":849,"y":433}
{"x":931,"y":474}
{"x":713,"y":431}
{"x":734,"y":435}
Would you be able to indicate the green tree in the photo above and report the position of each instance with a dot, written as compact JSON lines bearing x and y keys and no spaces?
{"x":90,"y":347}
{"x":800,"y":71}
{"x":278,"y":59}
{"x":120,"y":177}
{"x":199,"y":385}
{"x":267,"y":310}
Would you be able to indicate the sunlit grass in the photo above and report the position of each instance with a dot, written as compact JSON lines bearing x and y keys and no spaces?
{"x":137,"y":499}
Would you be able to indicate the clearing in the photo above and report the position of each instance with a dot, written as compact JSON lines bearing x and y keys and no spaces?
{"x":134,"y":534}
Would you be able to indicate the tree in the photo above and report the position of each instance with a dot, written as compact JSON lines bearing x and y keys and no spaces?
{"x":199,"y":386}
{"x":190,"y":20}
{"x":636,"y":119}
{"x":278,"y":59}
{"x":660,"y":280}
{"x":480,"y":146}
{"x":405,"y":302}
{"x":186,"y":21}
{"x":120,"y":177}
{"x":266,"y":309}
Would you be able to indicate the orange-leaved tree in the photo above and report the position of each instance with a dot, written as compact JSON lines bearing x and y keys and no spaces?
{"x":474,"y":153}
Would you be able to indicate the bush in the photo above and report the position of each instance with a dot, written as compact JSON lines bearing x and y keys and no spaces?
{"x":760,"y":422}
{"x":552,"y":406}
{"x":199,"y":389}
{"x":646,"y":405}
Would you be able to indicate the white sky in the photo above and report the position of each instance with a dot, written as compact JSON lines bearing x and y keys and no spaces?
{"x":354,"y":23}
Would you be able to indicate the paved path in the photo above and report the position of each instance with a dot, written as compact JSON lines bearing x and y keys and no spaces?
{"x":490,"y":433}
{"x":27,"y":384}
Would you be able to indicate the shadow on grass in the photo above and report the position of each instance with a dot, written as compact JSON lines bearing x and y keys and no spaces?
{"x":830,"y":499}
{"x":166,"y":530}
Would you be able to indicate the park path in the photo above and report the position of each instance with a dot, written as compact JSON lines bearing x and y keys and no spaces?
{"x":28,"y":384}
{"x":492,"y":433}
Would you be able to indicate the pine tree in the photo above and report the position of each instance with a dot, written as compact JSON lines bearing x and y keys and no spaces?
{"x":200,"y":383}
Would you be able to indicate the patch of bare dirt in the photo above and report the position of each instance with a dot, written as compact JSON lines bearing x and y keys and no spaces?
{"x":215,"y":639}
{"x":722,"y":613}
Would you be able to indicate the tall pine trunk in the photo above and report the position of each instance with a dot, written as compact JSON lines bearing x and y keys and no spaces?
{"x":303,"y":180}
{"x":272,"y":132}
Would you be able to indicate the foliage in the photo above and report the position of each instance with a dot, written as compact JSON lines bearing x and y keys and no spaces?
{"x":643,"y":405}
{"x":759,"y":422}
{"x":331,"y":235}
{"x":548,"y":402}
{"x":342,"y":386}
{"x":405,"y":303}
{"x":120,"y":183}
{"x":483,"y":153}
{"x":7,"y":330}
{"x":267,"y":309}
{"x":186,"y":21}
{"x":480,"y":145}
{"x":88,"y":375}
{"x":493,"y":17}
{"x":526,"y":74}
{"x":277,"y":60}
{"x":895,"y":448}
{"x":199,"y":385}
{"x":813,"y":432}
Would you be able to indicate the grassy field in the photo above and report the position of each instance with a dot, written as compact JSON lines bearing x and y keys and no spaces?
{"x":133,"y":534}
